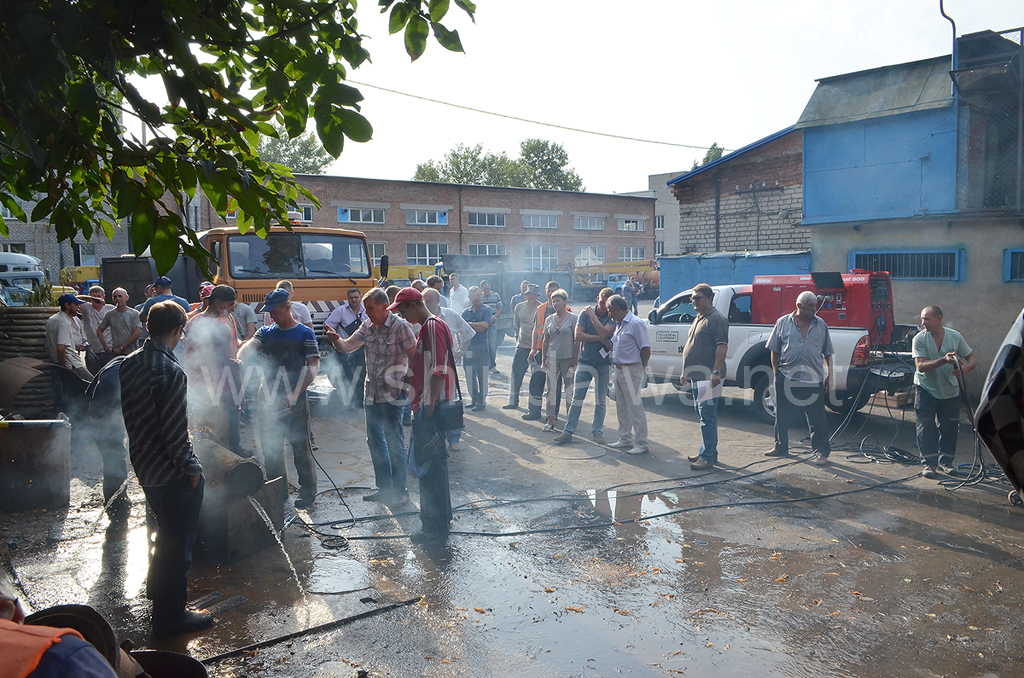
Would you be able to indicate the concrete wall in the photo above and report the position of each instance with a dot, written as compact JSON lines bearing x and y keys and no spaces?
{"x":666,"y":208}
{"x":759,"y":202}
{"x":981,"y":306}
{"x":883,"y":168}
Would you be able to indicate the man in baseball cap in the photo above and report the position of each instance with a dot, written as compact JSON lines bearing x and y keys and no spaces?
{"x":162,"y":287}
{"x":404,"y":295}
{"x":65,"y":336}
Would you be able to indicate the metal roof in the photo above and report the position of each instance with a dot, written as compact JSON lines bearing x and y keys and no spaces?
{"x":878,"y":92}
{"x":726,"y":158}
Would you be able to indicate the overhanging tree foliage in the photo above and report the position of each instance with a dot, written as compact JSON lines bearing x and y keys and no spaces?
{"x":541,"y":164}
{"x":230,"y":69}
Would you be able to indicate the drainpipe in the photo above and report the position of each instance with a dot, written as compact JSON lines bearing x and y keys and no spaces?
{"x":718,"y":214}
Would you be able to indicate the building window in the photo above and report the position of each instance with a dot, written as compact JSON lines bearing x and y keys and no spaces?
{"x":85,"y":254}
{"x":424,"y":254}
{"x":913,"y":265}
{"x":492,"y":219}
{"x":659,"y":223}
{"x":488,"y":248}
{"x":588,"y":223}
{"x":659,"y":248}
{"x":354,"y":215}
{"x":541,"y":257}
{"x":1013,"y":266}
{"x":633,"y":225}
{"x":17,"y":247}
{"x":377,"y":250}
{"x":540,"y":221}
{"x":305,"y":212}
{"x":589,"y":255}
{"x":632,"y":253}
{"x":6,"y":212}
{"x":426,"y":217}
{"x":233,"y":214}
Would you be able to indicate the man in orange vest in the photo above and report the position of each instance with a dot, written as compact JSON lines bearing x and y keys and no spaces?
{"x":44,"y":651}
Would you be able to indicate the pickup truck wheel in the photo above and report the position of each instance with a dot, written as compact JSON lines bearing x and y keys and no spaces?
{"x":764,"y":401}
{"x":847,"y":403}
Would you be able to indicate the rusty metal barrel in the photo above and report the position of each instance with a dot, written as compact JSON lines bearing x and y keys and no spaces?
{"x":241,"y":476}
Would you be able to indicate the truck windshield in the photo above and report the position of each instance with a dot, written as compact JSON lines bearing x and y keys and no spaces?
{"x":297,"y":255}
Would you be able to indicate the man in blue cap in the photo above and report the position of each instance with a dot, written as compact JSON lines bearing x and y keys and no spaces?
{"x":162,"y":292}
{"x":290,"y":362}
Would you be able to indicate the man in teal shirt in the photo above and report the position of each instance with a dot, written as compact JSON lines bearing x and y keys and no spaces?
{"x":941,"y":356}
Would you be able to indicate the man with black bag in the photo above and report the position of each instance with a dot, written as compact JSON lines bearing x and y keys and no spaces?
{"x":433,"y":384}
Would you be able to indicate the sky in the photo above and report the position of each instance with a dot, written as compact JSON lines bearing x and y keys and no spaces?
{"x":675,"y":71}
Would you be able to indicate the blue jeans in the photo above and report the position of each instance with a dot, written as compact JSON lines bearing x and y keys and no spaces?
{"x":937,"y":444}
{"x":386,"y":440}
{"x":475,"y":363}
{"x":584,"y":374}
{"x":707,"y":413}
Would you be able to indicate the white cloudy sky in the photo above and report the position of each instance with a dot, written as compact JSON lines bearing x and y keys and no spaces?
{"x":676,"y":71}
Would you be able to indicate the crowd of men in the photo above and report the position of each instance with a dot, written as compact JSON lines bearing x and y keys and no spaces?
{"x":400,"y":349}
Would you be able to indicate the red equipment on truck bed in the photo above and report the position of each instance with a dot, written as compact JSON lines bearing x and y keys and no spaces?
{"x":859,"y":298}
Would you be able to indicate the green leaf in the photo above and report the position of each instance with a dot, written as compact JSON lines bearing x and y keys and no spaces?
{"x":400,"y":14}
{"x":296,"y":113}
{"x":143,"y":225}
{"x":339,"y":94}
{"x":469,"y":7}
{"x":416,"y":37}
{"x":330,"y":131}
{"x":277,"y":86}
{"x":12,"y":204}
{"x":165,"y":245}
{"x":42,"y":209}
{"x":357,"y":128}
{"x":438,"y":8}
{"x":447,"y":39}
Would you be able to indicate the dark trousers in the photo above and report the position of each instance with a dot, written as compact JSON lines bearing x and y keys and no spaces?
{"x":793,"y":399}
{"x":94,"y":362}
{"x":176,"y":506}
{"x":292,"y":426}
{"x":353,"y":370}
{"x":435,"y":492}
{"x":937,"y":444}
{"x":520,"y":363}
{"x":108,"y":434}
{"x":476,"y":374}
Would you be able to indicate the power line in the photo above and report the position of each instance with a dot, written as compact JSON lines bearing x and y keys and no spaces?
{"x":532,"y":122}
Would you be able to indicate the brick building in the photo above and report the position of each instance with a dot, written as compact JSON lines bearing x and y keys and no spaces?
{"x":415,"y":222}
{"x":748,"y":200}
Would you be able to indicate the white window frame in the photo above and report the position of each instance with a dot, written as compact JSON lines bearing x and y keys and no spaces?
{"x":632,"y":224}
{"x":497,"y":217}
{"x":659,"y":222}
{"x":500,"y":250}
{"x":632,"y":253}
{"x":588,"y":223}
{"x":372,"y":246}
{"x":545,"y":221}
{"x":426,"y":217}
{"x":541,"y":257}
{"x":22,"y":248}
{"x":427,"y":259}
{"x":79,"y":251}
{"x":659,"y":248}
{"x":595,"y":255}
{"x":366,"y":215}
{"x":307,"y":213}
{"x":6,"y":212}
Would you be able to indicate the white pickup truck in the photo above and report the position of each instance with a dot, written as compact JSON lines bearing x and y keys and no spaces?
{"x":857,"y":372}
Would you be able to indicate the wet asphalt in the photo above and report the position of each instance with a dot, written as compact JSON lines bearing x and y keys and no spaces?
{"x":579,"y":560}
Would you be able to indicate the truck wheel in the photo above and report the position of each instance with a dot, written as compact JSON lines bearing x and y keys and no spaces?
{"x":847,"y":403}
{"x":764,"y":401}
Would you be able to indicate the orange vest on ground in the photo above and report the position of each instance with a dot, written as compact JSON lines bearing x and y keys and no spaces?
{"x":23,"y":646}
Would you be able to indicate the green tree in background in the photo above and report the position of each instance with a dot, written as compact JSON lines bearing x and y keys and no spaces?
{"x":302,"y":155}
{"x":713,"y":153}
{"x":228,"y":70}
{"x":541,"y":164}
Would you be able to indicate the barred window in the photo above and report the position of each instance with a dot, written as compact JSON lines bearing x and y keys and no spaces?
{"x":913,"y":265}
{"x":492,"y":219}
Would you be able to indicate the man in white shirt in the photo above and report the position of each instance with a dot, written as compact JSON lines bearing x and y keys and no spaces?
{"x":65,"y":336}
{"x":345,"y":320}
{"x":299,"y":310}
{"x":631,"y":350}
{"x":92,"y":315}
{"x":458,"y":297}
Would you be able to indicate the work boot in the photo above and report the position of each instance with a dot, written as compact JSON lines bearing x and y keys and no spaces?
{"x":929,"y":472}
{"x":189,"y":622}
{"x":775,"y":452}
{"x":380,"y":496}
{"x":701,"y":464}
{"x":820,"y":461}
{"x":563,"y":438}
{"x":599,"y":439}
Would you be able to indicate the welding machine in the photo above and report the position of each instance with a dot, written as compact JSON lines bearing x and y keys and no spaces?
{"x":859,"y":298}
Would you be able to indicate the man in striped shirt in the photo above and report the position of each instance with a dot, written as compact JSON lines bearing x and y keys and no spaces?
{"x":153,"y":401}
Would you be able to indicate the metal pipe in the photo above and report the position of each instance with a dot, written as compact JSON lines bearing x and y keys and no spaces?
{"x":33,"y":423}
